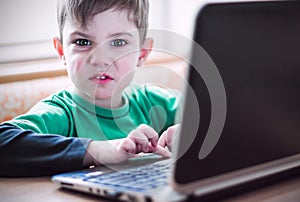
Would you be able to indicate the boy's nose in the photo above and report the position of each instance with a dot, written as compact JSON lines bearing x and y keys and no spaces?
{"x":100,"y":58}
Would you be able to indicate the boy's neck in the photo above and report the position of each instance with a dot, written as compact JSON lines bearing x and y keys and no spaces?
{"x":110,"y":103}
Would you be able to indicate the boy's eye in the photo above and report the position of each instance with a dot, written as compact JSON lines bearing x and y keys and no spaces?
{"x":118,"y":42}
{"x":83,"y":42}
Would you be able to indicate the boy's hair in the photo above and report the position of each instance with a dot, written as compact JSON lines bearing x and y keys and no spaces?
{"x":84,"y":10}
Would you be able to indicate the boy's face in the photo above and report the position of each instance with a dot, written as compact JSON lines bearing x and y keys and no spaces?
{"x":101,"y":59}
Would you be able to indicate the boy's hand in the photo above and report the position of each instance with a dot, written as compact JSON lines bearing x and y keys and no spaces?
{"x":168,"y":136}
{"x":142,"y":139}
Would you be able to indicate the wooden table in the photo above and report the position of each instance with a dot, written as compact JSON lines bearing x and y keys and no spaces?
{"x":43,"y":190}
{"x":37,"y":189}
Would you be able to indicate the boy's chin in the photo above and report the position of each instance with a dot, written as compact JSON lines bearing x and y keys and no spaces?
{"x":102,"y":97}
{"x":112,"y":96}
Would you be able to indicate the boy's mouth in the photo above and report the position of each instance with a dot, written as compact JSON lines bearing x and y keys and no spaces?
{"x":101,"y":78}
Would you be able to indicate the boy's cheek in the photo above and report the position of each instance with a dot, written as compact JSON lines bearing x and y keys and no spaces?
{"x":76,"y":61}
{"x":131,"y":60}
{"x":127,"y":67}
{"x":123,"y":55}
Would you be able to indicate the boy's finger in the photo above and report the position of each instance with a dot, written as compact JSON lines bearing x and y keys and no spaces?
{"x":128,"y":146}
{"x":162,"y":151}
{"x":169,"y":139}
{"x":168,"y":136}
{"x":140,"y":139}
{"x":150,"y":133}
{"x":166,"y":139}
{"x":162,"y":140}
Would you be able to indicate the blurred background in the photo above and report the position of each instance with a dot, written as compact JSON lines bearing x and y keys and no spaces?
{"x":27,"y":27}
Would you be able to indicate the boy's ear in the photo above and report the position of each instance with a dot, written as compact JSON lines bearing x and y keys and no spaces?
{"x":59,"y":48}
{"x":145,"y":51}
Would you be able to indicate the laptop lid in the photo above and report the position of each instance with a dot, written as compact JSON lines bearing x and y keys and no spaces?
{"x":242,"y":108}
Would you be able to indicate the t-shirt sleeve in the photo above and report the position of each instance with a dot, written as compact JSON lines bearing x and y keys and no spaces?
{"x":24,"y":153}
{"x":46,"y":117}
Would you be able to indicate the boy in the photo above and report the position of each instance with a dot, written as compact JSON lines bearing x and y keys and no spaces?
{"x":100,"y":120}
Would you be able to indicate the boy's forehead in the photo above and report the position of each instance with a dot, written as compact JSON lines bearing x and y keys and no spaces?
{"x":103,"y":24}
{"x":108,"y":18}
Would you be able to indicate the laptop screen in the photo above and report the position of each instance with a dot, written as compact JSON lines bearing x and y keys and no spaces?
{"x":255,"y":46}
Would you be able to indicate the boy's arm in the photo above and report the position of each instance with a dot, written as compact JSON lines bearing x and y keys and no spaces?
{"x":24,"y":153}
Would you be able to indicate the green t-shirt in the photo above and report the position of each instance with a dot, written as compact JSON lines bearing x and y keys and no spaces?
{"x":67,"y":114}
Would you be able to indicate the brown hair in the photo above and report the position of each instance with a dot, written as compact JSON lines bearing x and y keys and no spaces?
{"x":83,"y":10}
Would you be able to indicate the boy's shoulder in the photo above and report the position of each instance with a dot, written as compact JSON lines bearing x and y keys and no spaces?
{"x":56,"y":103}
{"x":49,"y":115}
{"x":63,"y":96}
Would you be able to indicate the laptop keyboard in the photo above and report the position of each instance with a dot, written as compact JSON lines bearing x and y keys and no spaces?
{"x":140,"y":179}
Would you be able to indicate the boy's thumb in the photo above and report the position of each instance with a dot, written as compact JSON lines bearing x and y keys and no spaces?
{"x":162,"y":151}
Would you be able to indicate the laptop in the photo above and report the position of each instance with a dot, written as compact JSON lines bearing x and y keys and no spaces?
{"x":240,"y":126}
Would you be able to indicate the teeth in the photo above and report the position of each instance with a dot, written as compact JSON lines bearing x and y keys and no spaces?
{"x":101,"y":77}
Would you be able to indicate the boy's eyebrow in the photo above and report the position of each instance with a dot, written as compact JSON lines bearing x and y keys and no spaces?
{"x":80,"y":34}
{"x":114,"y":35}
